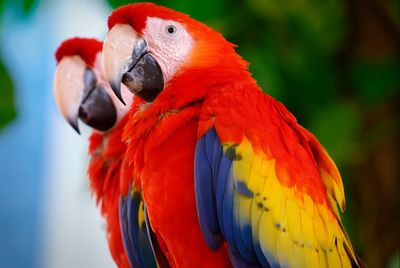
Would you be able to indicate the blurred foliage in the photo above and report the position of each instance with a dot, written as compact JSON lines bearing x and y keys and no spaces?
{"x":7,"y":102}
{"x":395,"y":262}
{"x":381,"y":82}
{"x":7,"y":108}
{"x":25,"y":6}
{"x":334,"y":64}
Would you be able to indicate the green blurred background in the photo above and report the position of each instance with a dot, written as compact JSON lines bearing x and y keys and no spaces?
{"x":335,"y":65}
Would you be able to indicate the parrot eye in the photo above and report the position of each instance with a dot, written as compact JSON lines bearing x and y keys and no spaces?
{"x":171,"y":29}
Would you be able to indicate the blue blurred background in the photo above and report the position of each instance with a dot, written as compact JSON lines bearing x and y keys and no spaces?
{"x":333,"y":63}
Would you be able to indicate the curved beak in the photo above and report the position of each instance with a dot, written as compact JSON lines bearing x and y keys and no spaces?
{"x":127,"y":60}
{"x":78,"y":96}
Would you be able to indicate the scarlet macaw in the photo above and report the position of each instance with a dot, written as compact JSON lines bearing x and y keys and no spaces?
{"x":227,"y":174}
{"x":82,"y":92}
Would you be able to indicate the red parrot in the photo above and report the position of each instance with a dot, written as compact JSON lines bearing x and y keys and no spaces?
{"x":82,"y":92}
{"x":228,"y":176}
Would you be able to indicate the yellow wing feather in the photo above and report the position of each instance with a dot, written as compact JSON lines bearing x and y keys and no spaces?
{"x":291,"y":229}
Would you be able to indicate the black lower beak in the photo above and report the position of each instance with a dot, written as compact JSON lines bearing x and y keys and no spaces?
{"x":97,"y":110}
{"x":143,"y":76}
{"x":145,"y":79}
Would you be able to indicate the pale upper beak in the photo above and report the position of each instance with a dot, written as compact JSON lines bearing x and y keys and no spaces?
{"x":78,"y":95}
{"x":127,"y":60}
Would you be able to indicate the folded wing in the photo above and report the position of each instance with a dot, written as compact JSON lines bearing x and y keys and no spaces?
{"x":269,"y":190}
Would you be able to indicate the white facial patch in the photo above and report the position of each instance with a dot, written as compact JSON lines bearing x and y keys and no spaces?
{"x":170,"y":44}
{"x":126,"y":94}
{"x":68,"y":86}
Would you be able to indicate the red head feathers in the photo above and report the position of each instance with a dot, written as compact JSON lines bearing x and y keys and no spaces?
{"x":136,"y":15}
{"x":86,"y":48}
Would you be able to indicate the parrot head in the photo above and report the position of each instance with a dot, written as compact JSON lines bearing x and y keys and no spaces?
{"x":80,"y":88}
{"x":149,"y":47}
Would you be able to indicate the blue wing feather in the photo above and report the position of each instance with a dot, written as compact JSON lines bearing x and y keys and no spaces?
{"x":222,"y":176}
{"x":215,"y":197}
{"x":205,"y":204}
{"x":161,"y":259}
{"x":134,"y":234}
{"x":238,"y":262}
{"x":204,"y":187}
{"x":124,"y":225}
{"x":227,"y":213}
{"x":217,"y":157}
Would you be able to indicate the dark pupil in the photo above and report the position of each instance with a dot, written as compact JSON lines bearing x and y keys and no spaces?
{"x":171,"y":29}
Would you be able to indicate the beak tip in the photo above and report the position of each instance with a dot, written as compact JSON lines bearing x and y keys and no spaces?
{"x":116,"y":87}
{"x":74,"y":125}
